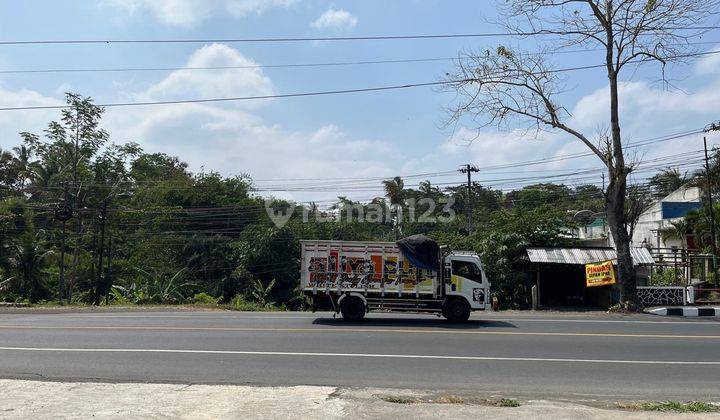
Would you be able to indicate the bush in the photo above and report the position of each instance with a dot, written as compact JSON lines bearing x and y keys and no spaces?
{"x":205,"y":299}
{"x":239,"y":303}
{"x":666,"y":277}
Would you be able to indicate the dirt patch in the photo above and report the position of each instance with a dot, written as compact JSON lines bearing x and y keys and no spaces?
{"x":450,"y":399}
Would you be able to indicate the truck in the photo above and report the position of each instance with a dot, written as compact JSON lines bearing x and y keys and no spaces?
{"x":412,"y":275}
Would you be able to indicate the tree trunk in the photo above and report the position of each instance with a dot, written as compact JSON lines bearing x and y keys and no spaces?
{"x":615,"y":205}
{"x":615,"y":200}
{"x":617,"y":189}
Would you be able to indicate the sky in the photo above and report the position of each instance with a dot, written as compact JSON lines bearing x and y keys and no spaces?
{"x":339,"y":140}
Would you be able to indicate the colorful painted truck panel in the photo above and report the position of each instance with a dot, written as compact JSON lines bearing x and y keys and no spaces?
{"x":371,"y":266}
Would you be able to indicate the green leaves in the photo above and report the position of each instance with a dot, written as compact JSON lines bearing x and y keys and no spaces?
{"x":650,"y":6}
{"x":261,"y":293}
{"x":505,"y":52}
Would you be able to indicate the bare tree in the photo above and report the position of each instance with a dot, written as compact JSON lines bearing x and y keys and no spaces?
{"x":506,"y":87}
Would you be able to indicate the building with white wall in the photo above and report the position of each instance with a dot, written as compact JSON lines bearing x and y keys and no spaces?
{"x":659,"y":217}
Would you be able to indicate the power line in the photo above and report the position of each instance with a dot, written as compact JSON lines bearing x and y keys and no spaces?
{"x":236,"y":99}
{"x":286,"y":65}
{"x":245,"y":67}
{"x":355,"y":183}
{"x":323,"y":93}
{"x":577,"y":155}
{"x":311,"y":39}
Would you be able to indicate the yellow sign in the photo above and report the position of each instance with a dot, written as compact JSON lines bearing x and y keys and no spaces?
{"x":601,"y":274}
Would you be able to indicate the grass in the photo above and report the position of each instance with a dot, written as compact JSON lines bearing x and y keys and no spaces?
{"x":450,"y":399}
{"x":674,"y":407}
{"x":509,"y":402}
{"x":400,"y":400}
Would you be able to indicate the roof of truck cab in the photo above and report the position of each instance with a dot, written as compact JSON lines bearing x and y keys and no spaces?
{"x":465,"y":253}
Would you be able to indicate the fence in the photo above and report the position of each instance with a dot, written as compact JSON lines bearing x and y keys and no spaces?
{"x":677,"y":266}
{"x":665,"y":295}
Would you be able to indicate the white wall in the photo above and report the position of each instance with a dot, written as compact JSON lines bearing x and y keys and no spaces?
{"x":651,"y":221}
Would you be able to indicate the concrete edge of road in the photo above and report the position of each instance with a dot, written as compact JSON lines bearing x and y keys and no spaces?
{"x":686,"y":311}
{"x":22,"y":399}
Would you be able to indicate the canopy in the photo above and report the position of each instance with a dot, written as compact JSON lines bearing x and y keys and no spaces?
{"x":640,"y":256}
{"x":421,"y":251}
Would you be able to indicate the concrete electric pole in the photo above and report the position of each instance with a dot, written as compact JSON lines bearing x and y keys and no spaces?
{"x":469,"y":169}
{"x":708,"y":179}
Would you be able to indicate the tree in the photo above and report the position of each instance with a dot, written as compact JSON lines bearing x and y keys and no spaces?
{"x":667,"y":181}
{"x":71,"y":143}
{"x":8,"y":174}
{"x":28,"y":257}
{"x":539,"y":195}
{"x":395,"y":192}
{"x":637,"y":202}
{"x":503,"y":87}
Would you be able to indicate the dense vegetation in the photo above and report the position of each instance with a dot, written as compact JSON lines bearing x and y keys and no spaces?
{"x":144,"y":229}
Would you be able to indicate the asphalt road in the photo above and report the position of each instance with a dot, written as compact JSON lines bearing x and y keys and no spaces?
{"x":543,"y":354}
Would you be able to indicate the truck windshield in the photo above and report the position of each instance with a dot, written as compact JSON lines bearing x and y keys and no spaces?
{"x":467,"y":269}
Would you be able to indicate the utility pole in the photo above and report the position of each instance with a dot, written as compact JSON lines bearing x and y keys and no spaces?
{"x":76,"y":201}
{"x":711,"y":210}
{"x":108,"y":272}
{"x":63,"y":213}
{"x":469,"y":169}
{"x":62,"y":247}
{"x":99,"y":286}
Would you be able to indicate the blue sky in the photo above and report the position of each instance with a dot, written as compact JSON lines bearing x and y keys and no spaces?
{"x":361,"y":135}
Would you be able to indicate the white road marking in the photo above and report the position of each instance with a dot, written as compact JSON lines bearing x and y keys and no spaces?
{"x":360,"y":330}
{"x":190,"y":316}
{"x":363,"y":355}
{"x":604,"y":321}
{"x":400,"y":318}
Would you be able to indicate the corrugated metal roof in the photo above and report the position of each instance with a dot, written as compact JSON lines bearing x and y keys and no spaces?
{"x":641,"y":256}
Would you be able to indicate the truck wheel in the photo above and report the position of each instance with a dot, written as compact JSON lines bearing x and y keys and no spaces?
{"x":456,"y":310}
{"x":352,"y":308}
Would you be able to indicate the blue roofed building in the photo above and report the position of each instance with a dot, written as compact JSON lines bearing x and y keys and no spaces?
{"x":661,"y":215}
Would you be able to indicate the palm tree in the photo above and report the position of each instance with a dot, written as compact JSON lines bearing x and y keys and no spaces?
{"x":43,"y":176}
{"x":7,"y":175}
{"x":395,"y":192}
{"x":29,"y":256}
{"x":678,"y":229}
{"x":23,"y":155}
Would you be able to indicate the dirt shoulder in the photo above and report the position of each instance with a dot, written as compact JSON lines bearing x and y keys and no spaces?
{"x":51,"y":309}
{"x":35,"y":399}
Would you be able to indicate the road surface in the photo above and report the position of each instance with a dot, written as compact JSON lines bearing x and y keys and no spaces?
{"x":523,"y":354}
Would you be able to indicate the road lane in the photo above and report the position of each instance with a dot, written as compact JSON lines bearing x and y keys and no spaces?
{"x":554,"y":355}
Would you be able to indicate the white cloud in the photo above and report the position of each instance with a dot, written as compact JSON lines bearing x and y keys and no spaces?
{"x":644,"y":109}
{"x":13,"y":122}
{"x":335,"y":19}
{"x":646,"y":112}
{"x":709,"y":64}
{"x":232,"y":138}
{"x":491,"y":148}
{"x":190,"y":12}
{"x":184,"y":84}
{"x":235,"y":138}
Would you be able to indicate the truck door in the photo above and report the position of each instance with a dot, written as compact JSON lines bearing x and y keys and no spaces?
{"x":467,"y":280}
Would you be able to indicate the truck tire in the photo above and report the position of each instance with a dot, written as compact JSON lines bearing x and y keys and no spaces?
{"x":456,"y":310}
{"x":352,"y":309}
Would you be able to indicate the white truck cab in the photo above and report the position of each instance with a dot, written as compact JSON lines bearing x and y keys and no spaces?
{"x":466,"y":278}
